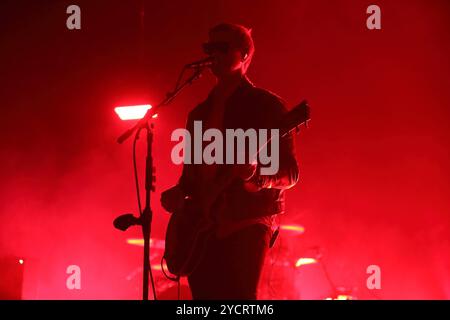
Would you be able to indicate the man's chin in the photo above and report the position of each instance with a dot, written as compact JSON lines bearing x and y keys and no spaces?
{"x":219,"y":73}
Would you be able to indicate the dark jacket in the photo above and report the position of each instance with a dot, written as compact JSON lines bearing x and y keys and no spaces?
{"x":249,"y":107}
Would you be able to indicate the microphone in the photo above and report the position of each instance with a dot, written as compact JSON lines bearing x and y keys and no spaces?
{"x":206,"y":62}
{"x":125,"y":221}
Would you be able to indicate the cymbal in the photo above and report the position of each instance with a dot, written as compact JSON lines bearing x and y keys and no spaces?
{"x":293,"y":229}
{"x":154,"y":243}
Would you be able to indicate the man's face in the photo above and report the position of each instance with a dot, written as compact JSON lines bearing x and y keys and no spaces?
{"x":227,"y":58}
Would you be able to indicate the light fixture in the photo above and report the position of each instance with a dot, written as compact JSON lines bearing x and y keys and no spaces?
{"x":133,"y":112}
{"x":304,"y":261}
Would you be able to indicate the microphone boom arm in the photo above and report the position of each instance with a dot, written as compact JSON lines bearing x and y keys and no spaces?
{"x":169,"y":97}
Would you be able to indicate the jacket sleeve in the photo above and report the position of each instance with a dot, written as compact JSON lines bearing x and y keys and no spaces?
{"x":288,"y":172}
{"x":186,"y":180}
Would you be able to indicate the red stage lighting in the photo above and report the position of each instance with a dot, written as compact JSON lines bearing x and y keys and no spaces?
{"x":304,"y":261}
{"x":133,"y":112}
{"x":293,"y":228}
{"x":154,"y":243}
{"x":340,"y":297}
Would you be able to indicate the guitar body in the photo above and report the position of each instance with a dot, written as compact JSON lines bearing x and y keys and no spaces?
{"x":187,"y":234}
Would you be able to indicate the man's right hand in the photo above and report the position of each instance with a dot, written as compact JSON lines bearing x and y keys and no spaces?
{"x":172,"y":199}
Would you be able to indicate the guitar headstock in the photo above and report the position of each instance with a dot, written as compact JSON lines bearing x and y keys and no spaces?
{"x":292,"y":120}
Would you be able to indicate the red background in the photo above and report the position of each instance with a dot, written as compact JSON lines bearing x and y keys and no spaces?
{"x":374,"y":164}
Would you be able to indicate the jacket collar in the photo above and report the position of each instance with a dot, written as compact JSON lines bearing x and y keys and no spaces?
{"x":244,"y":84}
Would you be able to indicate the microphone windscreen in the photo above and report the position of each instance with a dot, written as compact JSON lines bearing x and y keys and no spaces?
{"x":125,"y":221}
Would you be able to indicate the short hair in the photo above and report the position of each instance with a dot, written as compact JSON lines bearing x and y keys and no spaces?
{"x":242,"y":35}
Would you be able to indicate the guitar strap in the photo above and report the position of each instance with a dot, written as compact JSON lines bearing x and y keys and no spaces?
{"x":274,"y":237}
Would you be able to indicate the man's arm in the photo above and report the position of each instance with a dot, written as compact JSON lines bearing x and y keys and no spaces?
{"x":172,"y":199}
{"x":288,"y":172}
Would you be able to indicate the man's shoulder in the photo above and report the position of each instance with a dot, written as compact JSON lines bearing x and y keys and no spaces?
{"x":198,"y":111}
{"x":268,"y":100}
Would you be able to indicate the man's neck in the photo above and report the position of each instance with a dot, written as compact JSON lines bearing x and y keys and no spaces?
{"x":226,"y":85}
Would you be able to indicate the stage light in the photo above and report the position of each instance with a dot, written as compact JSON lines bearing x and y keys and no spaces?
{"x":137,"y":242}
{"x":343,"y":297}
{"x":20,"y":261}
{"x":156,"y":267}
{"x":133,"y":112}
{"x":294,"y":228}
{"x":304,"y":261}
{"x":154,"y":243}
{"x":340,"y":297}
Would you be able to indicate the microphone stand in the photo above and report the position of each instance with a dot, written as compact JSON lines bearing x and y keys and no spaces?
{"x":146,"y":216}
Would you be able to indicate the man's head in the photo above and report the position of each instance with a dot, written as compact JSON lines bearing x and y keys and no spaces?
{"x":232,"y":47}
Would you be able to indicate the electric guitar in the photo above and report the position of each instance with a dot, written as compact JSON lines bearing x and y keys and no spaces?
{"x":192,"y":224}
